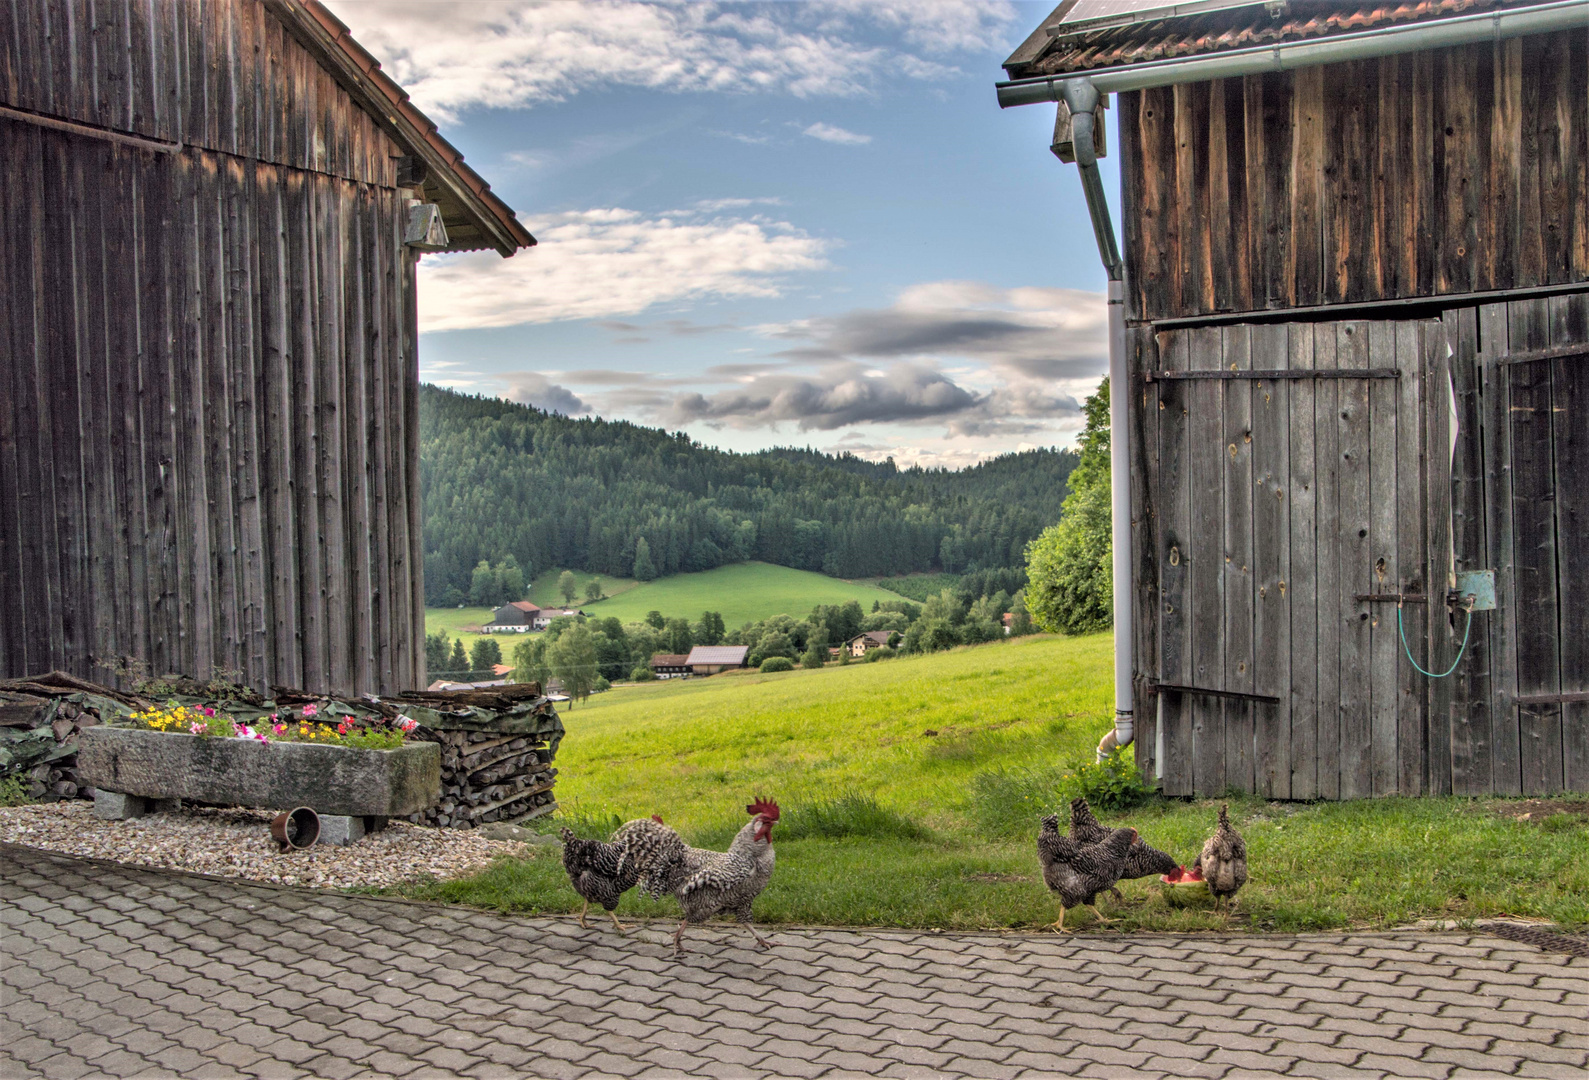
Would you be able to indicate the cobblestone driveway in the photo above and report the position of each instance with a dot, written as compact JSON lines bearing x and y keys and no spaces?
{"x":110,"y":970}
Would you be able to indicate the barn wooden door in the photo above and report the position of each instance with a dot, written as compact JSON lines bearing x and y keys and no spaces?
{"x":1287,"y":477}
{"x":1536,"y":364}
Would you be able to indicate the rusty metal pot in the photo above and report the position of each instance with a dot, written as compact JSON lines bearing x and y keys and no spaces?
{"x":296,"y":828}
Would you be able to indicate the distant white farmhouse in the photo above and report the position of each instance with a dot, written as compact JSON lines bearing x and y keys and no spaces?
{"x":521,"y":616}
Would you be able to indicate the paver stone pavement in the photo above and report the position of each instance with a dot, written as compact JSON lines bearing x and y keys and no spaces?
{"x":110,"y":970}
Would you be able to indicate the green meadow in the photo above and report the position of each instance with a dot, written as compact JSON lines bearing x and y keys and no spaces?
{"x":741,"y":593}
{"x":911,"y":791}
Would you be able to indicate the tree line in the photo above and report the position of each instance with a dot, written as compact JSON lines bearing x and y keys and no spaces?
{"x":587,"y":655}
{"x":508,"y":490}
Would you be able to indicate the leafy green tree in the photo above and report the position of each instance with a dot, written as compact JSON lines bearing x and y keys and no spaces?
{"x":709,"y":631}
{"x":510,"y":580}
{"x":485,"y":654}
{"x":776,"y":663}
{"x":816,"y":653}
{"x":885,"y":620}
{"x":946,"y":606}
{"x":458,"y":662}
{"x":929,"y":635}
{"x":572,"y":658}
{"x":654,"y":618}
{"x":643,"y":641}
{"x":593,"y":590}
{"x":1069,"y":566}
{"x":485,"y":588}
{"x":776,"y":643}
{"x":644,"y":568}
{"x":676,"y":636}
{"x":568,"y":586}
{"x":436,"y":646}
{"x":642,"y":673}
{"x":529,"y":661}
{"x":1020,"y":618}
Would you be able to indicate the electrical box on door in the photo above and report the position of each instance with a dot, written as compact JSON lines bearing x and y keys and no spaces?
{"x":1479,"y":584}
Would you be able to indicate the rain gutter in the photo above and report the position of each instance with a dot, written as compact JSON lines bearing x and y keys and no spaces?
{"x":1081,"y":98}
{"x":1367,"y":44}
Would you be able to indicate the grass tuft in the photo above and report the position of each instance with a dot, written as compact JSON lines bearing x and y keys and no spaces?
{"x":850,"y":814}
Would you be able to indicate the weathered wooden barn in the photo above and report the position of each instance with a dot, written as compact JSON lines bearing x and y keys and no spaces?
{"x":1355,"y":277}
{"x":212,"y":215}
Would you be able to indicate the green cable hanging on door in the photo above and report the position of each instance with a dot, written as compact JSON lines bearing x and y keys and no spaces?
{"x":1468,"y":603}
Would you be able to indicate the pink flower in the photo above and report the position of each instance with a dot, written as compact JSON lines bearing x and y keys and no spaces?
{"x":279,"y":729}
{"x":311,"y":709}
{"x":196,"y":727}
{"x":245,"y":732}
{"x":206,"y":711}
{"x":342,"y":728}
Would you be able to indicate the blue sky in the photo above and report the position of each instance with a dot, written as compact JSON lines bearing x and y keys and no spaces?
{"x":764,"y":224}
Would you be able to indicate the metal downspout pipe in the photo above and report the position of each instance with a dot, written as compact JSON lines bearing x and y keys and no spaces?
{"x":1081,"y":97}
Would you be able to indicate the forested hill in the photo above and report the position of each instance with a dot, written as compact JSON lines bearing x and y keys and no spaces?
{"x":501,"y":479}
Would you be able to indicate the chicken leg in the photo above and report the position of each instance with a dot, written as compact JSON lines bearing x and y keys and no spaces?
{"x":1098,"y":913}
{"x":582,"y":911}
{"x":614,"y":916}
{"x":1059,"y":926}
{"x":678,"y":934}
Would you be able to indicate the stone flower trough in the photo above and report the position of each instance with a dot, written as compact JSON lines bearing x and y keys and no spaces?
{"x":352,"y":790}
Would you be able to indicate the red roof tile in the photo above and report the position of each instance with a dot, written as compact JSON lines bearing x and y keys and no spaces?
{"x":1218,"y":31}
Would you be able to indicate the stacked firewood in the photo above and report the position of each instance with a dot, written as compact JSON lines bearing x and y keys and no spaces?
{"x":486,"y":776}
{"x":39,"y":722}
{"x":497,"y":748}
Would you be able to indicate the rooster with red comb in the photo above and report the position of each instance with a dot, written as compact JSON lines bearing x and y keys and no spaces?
{"x":706,"y":883}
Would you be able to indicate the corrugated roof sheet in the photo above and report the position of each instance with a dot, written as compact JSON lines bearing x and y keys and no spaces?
{"x":718,"y":654}
{"x":1218,"y":31}
{"x":669,"y":660}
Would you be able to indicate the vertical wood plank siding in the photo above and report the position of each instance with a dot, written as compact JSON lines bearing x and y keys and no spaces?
{"x":207,"y":401}
{"x":1275,"y":504}
{"x":1269,"y":506}
{"x":1448,"y":171}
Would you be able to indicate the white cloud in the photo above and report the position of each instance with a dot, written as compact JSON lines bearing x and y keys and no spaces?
{"x":533,"y":388}
{"x":515,"y":53}
{"x":832,"y":134}
{"x":603,"y":263}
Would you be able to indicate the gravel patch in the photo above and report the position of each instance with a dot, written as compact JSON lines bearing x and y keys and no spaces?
{"x":237,"y":843}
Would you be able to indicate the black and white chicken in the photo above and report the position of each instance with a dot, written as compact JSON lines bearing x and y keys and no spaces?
{"x":598,"y":872}
{"x":1077,"y":873}
{"x":706,"y":883}
{"x":1141,"y":861}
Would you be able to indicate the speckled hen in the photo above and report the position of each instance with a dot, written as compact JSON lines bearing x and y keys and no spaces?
{"x":706,"y":883}
{"x":1077,"y":873}
{"x":1141,"y":860}
{"x":598,"y":872}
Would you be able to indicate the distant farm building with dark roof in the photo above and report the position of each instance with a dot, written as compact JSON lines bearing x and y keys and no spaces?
{"x":516,"y":615}
{"x":209,"y":446}
{"x":671,"y":665}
